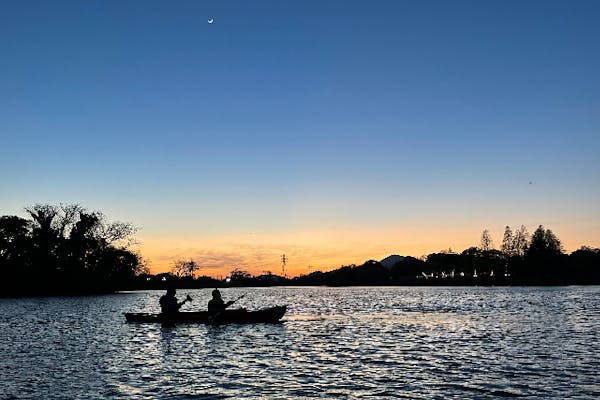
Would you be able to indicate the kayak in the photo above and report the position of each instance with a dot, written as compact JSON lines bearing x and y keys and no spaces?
{"x":238,"y":316}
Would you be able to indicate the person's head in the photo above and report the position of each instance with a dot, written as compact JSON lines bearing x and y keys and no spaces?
{"x":216,"y":294}
{"x":171,"y":291}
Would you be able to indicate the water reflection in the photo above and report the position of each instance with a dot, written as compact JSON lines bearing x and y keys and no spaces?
{"x":335,"y":342}
{"x":167,"y":333}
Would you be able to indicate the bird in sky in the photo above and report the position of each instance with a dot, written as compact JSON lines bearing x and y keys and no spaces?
{"x":211,"y":20}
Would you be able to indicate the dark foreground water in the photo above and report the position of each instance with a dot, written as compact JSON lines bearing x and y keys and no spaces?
{"x":335,"y":343}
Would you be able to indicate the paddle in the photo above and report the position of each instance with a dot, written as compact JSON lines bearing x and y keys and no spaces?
{"x":229,"y":303}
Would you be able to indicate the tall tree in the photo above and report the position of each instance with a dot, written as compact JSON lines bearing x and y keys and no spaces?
{"x":508,"y":242}
{"x":83,"y":245}
{"x":44,"y":238}
{"x":521,"y":241}
{"x":486,"y":241}
{"x":553,"y":244}
{"x":544,"y":243}
{"x":538,"y":241}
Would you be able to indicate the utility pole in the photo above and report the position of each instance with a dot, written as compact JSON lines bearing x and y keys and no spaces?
{"x":284,"y":261}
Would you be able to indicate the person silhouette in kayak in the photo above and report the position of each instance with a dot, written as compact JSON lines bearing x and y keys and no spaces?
{"x":169,"y":304}
{"x":217,"y":304}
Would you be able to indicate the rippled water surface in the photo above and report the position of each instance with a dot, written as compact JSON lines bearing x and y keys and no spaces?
{"x":334,"y":342}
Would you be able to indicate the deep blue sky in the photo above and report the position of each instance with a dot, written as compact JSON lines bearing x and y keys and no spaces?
{"x":286,"y":116}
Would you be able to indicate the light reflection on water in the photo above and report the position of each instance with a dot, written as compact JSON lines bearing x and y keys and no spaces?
{"x":335,"y":342}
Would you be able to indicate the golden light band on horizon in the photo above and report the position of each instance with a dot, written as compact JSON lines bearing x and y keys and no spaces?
{"x":316,"y":250}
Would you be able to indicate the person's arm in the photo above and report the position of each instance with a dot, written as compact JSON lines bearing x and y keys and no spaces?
{"x":188,"y":298}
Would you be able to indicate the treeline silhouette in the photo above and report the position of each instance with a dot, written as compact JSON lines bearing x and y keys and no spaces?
{"x":65,"y":249}
{"x":522,"y":259}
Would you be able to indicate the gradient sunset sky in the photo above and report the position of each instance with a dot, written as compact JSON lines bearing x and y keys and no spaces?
{"x":330,"y":131}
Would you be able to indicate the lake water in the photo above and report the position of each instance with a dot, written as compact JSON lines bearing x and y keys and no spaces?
{"x":334,"y":343}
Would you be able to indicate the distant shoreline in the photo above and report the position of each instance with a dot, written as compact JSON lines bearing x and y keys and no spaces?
{"x":67,"y":250}
{"x":158,"y":289}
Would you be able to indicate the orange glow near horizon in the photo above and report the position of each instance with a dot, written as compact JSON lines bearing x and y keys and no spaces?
{"x":309,"y":251}
{"x":256,"y":253}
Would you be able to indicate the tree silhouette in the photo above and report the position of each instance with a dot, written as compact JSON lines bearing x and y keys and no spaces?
{"x":15,"y":245}
{"x":521,"y":241}
{"x":508,"y":242}
{"x":486,"y":241}
{"x":185,"y":268}
{"x":544,"y":243}
{"x":64,"y":249}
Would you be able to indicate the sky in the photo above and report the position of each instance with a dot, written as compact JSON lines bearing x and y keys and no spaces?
{"x":330,"y":131}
